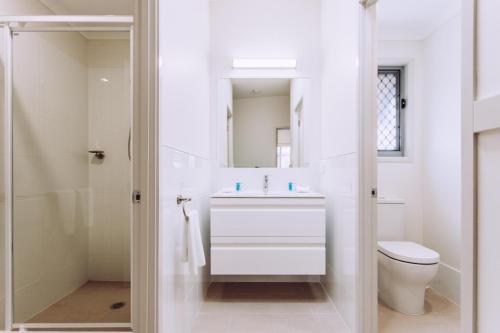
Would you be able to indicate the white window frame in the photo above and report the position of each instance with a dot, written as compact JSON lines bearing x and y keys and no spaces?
{"x":401,"y":119}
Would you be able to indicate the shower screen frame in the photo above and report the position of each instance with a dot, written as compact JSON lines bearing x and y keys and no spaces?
{"x":17,"y":24}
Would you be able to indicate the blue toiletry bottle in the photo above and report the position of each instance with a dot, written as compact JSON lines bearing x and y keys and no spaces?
{"x":290,"y":186}
{"x":238,"y":186}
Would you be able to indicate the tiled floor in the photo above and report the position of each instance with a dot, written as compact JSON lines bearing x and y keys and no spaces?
{"x":268,"y":308}
{"x":90,"y":304}
{"x":441,"y":316}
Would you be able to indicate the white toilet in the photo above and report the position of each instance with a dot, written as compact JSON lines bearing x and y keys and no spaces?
{"x":405,"y":269}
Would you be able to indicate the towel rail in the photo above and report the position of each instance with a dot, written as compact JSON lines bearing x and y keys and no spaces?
{"x":181,"y":201}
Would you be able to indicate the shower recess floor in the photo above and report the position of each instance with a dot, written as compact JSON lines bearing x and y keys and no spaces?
{"x":91,"y":303}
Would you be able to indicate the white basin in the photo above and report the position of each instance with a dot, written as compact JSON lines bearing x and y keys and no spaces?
{"x":270,"y":194}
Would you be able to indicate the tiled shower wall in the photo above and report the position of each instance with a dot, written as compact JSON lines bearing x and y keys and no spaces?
{"x":109,"y":128}
{"x":71,"y":94}
{"x":50,"y":169}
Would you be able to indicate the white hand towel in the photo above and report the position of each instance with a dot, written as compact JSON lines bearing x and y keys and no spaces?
{"x":195,"y":252}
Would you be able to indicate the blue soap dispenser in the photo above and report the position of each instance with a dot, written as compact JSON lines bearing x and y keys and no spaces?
{"x":290,"y":186}
{"x":238,"y":186}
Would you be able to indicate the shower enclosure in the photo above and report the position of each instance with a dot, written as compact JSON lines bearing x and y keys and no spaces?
{"x":68,"y":198}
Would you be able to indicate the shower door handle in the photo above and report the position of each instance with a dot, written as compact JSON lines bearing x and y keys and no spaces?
{"x":129,"y":144}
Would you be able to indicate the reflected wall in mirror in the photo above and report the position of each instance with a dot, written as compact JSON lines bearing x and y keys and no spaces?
{"x":260,"y":122}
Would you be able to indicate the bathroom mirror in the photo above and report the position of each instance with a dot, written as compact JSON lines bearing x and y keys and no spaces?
{"x":260,"y":122}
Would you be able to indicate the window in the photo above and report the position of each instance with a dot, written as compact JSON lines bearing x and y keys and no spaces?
{"x":390,"y":129}
{"x":283,"y":148}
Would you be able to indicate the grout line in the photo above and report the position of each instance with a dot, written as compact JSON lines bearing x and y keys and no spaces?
{"x":187,"y":153}
{"x":336,"y":310}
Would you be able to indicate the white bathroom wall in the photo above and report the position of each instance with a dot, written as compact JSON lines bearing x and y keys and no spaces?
{"x":50,"y":169}
{"x":262,"y":115}
{"x":184,"y":153}
{"x":109,"y":124}
{"x":267,"y":29}
{"x":488,"y":181}
{"x":184,"y":57}
{"x":339,"y":160}
{"x":441,"y":154}
{"x":400,"y":177}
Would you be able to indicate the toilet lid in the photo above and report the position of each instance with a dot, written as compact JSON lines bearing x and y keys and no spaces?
{"x":408,"y":252}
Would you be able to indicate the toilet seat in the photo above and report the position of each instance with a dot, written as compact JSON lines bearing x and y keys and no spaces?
{"x":409,"y":252}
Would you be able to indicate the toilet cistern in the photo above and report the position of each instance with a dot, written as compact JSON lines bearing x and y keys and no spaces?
{"x":266,"y":184}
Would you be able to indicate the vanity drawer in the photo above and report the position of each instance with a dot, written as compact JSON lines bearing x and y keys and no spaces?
{"x":265,"y":222}
{"x":272,"y":260}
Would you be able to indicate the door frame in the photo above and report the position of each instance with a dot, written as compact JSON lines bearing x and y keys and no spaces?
{"x":143,"y":216}
{"x":146,"y":147}
{"x":468,"y":170}
{"x":367,"y":301}
{"x":366,"y":298}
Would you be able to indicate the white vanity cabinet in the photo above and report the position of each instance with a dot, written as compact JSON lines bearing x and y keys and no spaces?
{"x":269,"y":234}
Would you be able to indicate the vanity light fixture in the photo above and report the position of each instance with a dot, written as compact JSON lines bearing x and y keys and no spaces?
{"x":264,"y":63}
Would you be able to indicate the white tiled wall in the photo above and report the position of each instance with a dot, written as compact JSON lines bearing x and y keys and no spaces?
{"x":109,"y":180}
{"x":339,"y":164}
{"x":50,"y":249}
{"x":402,"y":178}
{"x":50,"y":169}
{"x":184,"y":153}
{"x":180,"y":290}
{"x":339,"y":184}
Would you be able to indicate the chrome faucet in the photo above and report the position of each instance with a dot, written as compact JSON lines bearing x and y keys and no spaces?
{"x":266,"y":184}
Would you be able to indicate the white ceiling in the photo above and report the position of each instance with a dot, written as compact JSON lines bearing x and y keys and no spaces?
{"x":413,"y":19}
{"x":90,"y":7}
{"x":93,"y":7}
{"x":243,"y":88}
{"x":398,"y":19}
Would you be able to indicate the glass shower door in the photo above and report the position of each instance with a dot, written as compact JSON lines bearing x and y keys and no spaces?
{"x":71,"y":121}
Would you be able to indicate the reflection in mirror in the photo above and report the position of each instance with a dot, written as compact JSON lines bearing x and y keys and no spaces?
{"x":260,"y":122}
{"x":283,"y":148}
